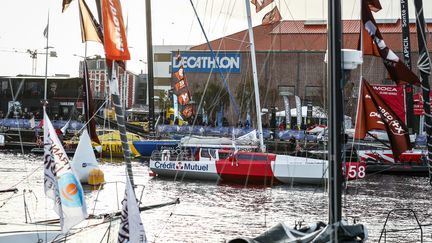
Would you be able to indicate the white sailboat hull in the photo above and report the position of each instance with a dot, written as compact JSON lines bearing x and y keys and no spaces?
{"x":292,"y":169}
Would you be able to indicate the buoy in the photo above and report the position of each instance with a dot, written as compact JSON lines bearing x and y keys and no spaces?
{"x":151,"y":173}
{"x":96,"y":177}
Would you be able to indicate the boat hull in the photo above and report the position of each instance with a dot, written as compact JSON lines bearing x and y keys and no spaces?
{"x":292,"y":169}
{"x":195,"y":170}
{"x":248,"y":168}
{"x":146,"y":147}
{"x":410,"y":162}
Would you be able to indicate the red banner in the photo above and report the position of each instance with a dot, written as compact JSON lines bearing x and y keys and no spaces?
{"x":394,"y":97}
{"x":418,"y":103}
{"x":115,"y":43}
{"x":374,"y":114}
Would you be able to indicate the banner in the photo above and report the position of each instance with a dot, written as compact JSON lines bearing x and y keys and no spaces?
{"x":272,"y":17}
{"x":65,"y":4}
{"x":298,"y":111}
{"x":60,"y":182}
{"x":115,"y":43}
{"x":89,"y":105}
{"x":90,"y":28}
{"x":181,"y":89}
{"x":397,"y":70}
{"x":287,"y":112}
{"x":260,"y":4}
{"x":374,"y":114}
{"x":394,"y":97}
{"x":131,"y":227}
{"x":418,"y":104}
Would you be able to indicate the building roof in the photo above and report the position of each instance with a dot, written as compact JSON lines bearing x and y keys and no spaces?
{"x":38,"y":77}
{"x":301,"y":35}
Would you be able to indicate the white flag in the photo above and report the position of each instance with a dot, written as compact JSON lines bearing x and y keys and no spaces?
{"x":60,"y":182}
{"x":32,"y":123}
{"x":65,"y":127}
{"x":131,"y":227}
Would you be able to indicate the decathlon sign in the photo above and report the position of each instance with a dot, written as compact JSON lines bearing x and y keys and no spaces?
{"x":203,"y":62}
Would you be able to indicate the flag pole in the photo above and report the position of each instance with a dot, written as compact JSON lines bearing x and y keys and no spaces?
{"x":46,"y":60}
{"x":424,"y":66}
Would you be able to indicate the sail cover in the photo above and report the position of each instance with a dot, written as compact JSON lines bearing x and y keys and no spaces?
{"x":317,"y":232}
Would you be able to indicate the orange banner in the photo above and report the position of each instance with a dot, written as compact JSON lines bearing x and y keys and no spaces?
{"x":115,"y":42}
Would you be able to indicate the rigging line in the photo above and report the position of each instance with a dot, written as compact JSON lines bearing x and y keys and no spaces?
{"x":202,"y":99}
{"x":19,"y":182}
{"x":165,"y":224}
{"x":229,"y":16}
{"x":217,"y":18}
{"x":92,"y":117}
{"x":214,"y":56}
{"x":296,"y":24}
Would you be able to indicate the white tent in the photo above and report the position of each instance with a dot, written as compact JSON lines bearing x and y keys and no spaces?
{"x":317,"y":112}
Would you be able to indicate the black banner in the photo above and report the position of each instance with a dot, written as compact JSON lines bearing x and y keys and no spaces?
{"x":406,"y":47}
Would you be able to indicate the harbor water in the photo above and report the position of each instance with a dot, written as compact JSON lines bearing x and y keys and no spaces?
{"x":210,"y":212}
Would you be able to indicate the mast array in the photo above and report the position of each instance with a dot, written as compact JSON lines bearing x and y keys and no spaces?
{"x":335,"y":117}
{"x":424,"y":66}
{"x":409,"y":104}
{"x":255,"y":77}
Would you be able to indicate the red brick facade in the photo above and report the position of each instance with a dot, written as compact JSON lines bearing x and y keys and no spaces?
{"x":291,"y":53}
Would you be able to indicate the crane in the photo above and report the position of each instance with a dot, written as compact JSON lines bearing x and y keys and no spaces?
{"x":33,"y":55}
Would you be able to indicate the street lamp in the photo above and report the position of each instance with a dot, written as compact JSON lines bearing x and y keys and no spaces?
{"x":147,"y":89}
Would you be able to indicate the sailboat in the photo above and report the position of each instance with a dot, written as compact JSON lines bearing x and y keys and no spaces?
{"x":337,"y":230}
{"x":84,"y":162}
{"x":378,"y":155}
{"x":222,"y":161}
{"x":61,"y":179}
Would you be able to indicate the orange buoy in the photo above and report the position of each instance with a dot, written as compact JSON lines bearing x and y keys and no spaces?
{"x":96,"y":177}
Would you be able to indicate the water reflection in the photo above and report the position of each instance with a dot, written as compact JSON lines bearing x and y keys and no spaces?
{"x":211,"y":212}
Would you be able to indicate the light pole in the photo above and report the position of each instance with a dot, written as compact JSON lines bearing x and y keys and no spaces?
{"x":147,"y":89}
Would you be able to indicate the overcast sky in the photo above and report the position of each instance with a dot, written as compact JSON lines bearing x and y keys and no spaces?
{"x":174,"y":23}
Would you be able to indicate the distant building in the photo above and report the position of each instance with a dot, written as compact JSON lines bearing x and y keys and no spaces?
{"x":288,"y":53}
{"x":162,"y":65}
{"x":141,"y":89}
{"x":98,"y":78}
{"x":22,"y":95}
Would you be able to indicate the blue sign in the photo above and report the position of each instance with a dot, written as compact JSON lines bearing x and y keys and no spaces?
{"x":204,"y":62}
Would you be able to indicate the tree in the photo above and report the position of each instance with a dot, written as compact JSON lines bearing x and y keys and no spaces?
{"x":214,"y":96}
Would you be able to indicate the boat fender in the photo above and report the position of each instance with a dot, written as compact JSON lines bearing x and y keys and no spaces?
{"x":96,"y":177}
{"x":152,"y":174}
{"x":165,"y":155}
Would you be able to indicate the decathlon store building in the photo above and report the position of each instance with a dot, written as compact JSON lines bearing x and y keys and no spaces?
{"x":289,"y":54}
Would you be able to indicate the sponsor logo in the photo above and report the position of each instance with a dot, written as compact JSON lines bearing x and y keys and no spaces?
{"x":181,"y":166}
{"x":70,"y":191}
{"x":206,"y":62}
{"x":116,"y":21}
{"x":385,"y":88}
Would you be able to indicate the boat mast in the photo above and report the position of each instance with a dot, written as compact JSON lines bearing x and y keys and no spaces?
{"x":118,"y":107}
{"x":150,"y":76}
{"x":409,"y":105}
{"x":255,"y":77}
{"x":424,"y":66}
{"x":335,"y":103}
